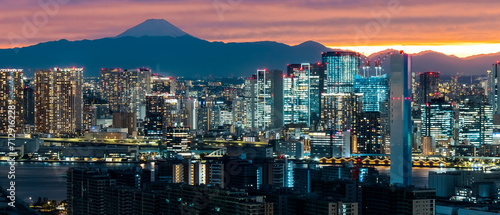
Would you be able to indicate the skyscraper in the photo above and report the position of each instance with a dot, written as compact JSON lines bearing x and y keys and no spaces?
{"x":11,"y":95}
{"x":367,"y":130}
{"x":400,"y":119}
{"x":428,"y":87}
{"x":29,"y":103}
{"x":302,"y":86}
{"x":58,"y":100}
{"x":475,"y":123}
{"x":250,"y":94}
{"x":340,"y":69}
{"x":494,"y":87}
{"x":375,"y":90}
{"x":316,"y":87}
{"x":338,"y":110}
{"x":161,"y":112}
{"x":112,"y":89}
{"x":296,"y":95}
{"x":269,"y":92}
{"x":138,"y":85}
{"x":438,"y":120}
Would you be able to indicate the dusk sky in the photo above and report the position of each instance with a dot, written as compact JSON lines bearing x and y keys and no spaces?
{"x":459,"y":27}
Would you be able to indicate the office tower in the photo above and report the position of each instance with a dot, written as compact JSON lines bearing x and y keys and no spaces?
{"x":296,"y":95}
{"x":339,"y":110}
{"x":138,"y":85}
{"x":112,"y":88}
{"x":340,"y":69}
{"x":428,"y":87}
{"x":239,"y":107}
{"x":177,"y":139}
{"x":161,"y":112}
{"x":163,"y":84}
{"x":475,"y":123}
{"x":332,"y":144}
{"x":375,"y":90}
{"x":438,"y":121}
{"x":302,"y":86}
{"x":316,"y":87}
{"x":58,"y":101}
{"x":382,"y":199}
{"x":250,"y":91}
{"x":276,"y":173}
{"x":367,"y":130}
{"x":192,"y":108}
{"x":11,"y":101}
{"x":400,"y":119}
{"x":269,"y":92}
{"x":203,"y":116}
{"x":494,"y":87}
{"x":29,"y":103}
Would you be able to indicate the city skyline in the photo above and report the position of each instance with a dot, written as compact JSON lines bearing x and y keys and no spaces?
{"x":275,"y":107}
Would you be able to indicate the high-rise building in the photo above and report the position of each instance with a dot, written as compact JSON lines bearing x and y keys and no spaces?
{"x":438,"y":120}
{"x":367,"y":130}
{"x":340,"y":69}
{"x":11,"y":101}
{"x":332,"y":144}
{"x":138,"y":85}
{"x":296,"y":95}
{"x":339,"y":110}
{"x":161,"y":112}
{"x":29,"y":103}
{"x":475,"y":123}
{"x":302,"y":87}
{"x":250,"y":94}
{"x":112,"y":88}
{"x":58,"y":101}
{"x":316,"y":87}
{"x":163,"y":84}
{"x":375,"y":90}
{"x":428,"y":87}
{"x":494,"y":87}
{"x":400,"y":119}
{"x":126,"y":90}
{"x":269,"y":92}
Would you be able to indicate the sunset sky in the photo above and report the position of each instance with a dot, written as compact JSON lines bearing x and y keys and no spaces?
{"x":458,"y":27}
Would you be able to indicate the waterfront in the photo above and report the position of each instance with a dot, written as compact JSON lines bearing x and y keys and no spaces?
{"x":44,"y":179}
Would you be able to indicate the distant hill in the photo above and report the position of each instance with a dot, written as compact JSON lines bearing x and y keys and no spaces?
{"x":168,"y":50}
{"x":179,"y":56}
{"x":448,"y":65}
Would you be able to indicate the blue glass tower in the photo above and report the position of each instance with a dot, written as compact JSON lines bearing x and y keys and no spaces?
{"x":340,"y":69}
{"x":400,"y":119}
{"x":375,"y":90}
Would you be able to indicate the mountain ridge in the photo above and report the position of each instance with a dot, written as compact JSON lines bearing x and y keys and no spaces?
{"x":169,"y":50}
